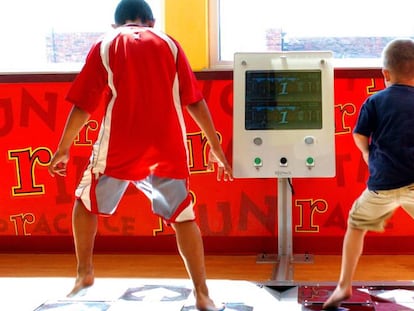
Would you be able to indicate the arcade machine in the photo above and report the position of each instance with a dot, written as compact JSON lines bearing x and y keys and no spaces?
{"x":284,"y":128}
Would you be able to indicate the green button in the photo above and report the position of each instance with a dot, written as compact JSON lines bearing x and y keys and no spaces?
{"x":257,"y":161}
{"x":310,"y":161}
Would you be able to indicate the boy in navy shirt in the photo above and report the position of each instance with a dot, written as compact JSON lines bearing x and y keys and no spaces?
{"x":384,"y":134}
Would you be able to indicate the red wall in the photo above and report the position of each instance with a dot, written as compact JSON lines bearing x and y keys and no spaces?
{"x":237,"y":217}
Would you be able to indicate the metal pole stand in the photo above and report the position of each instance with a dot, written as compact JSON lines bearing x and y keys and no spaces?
{"x":284,"y":260}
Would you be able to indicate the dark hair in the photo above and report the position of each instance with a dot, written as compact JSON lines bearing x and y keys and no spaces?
{"x":132,"y":10}
{"x":398,"y":57}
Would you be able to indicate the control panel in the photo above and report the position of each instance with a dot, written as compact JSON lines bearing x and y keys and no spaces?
{"x":283,"y":115}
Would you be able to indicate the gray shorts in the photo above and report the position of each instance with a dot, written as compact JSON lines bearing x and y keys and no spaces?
{"x":170,"y":198}
{"x":372,"y":209}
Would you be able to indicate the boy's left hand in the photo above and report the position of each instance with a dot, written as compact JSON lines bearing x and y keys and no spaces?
{"x":224,"y":170}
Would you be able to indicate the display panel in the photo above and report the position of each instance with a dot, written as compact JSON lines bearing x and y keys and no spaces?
{"x":283,"y":100}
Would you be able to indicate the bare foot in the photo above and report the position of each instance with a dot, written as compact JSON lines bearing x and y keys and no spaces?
{"x":204,"y":303}
{"x":81,"y":284}
{"x":336,"y":298}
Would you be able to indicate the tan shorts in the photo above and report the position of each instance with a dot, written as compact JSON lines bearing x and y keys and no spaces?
{"x":170,"y":198}
{"x":372,"y":209}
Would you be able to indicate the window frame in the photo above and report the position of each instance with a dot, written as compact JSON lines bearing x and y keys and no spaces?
{"x":214,"y":38}
{"x":214,"y":47}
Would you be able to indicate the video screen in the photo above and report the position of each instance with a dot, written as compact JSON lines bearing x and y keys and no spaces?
{"x":283,"y":100}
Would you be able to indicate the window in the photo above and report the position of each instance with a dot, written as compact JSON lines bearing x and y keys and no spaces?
{"x":55,"y":35}
{"x":356,"y":31}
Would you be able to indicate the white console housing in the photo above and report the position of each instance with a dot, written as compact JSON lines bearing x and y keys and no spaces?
{"x":283,"y":115}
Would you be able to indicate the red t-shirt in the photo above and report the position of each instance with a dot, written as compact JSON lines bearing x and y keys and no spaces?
{"x":146,"y":80}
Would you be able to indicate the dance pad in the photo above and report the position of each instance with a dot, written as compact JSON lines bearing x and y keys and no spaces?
{"x":116,"y":294}
{"x":150,"y":295}
{"x":380,"y":297}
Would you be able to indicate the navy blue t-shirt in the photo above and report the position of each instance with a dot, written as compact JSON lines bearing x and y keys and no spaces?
{"x":388,"y":118}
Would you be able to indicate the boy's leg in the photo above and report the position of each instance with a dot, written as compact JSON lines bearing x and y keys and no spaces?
{"x":106,"y":193}
{"x":190,"y":246}
{"x":84,"y":225}
{"x":351,"y":251}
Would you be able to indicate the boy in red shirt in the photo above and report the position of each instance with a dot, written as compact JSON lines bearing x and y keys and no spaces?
{"x":147,"y":83}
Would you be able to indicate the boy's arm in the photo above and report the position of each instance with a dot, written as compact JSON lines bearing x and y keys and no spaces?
{"x":362,"y":143}
{"x":76,"y":120}
{"x":201,"y":115}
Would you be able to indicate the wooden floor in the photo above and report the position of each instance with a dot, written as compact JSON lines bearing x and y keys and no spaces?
{"x":322,"y":269}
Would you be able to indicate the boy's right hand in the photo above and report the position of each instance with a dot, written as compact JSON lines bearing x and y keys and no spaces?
{"x":58,"y":164}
